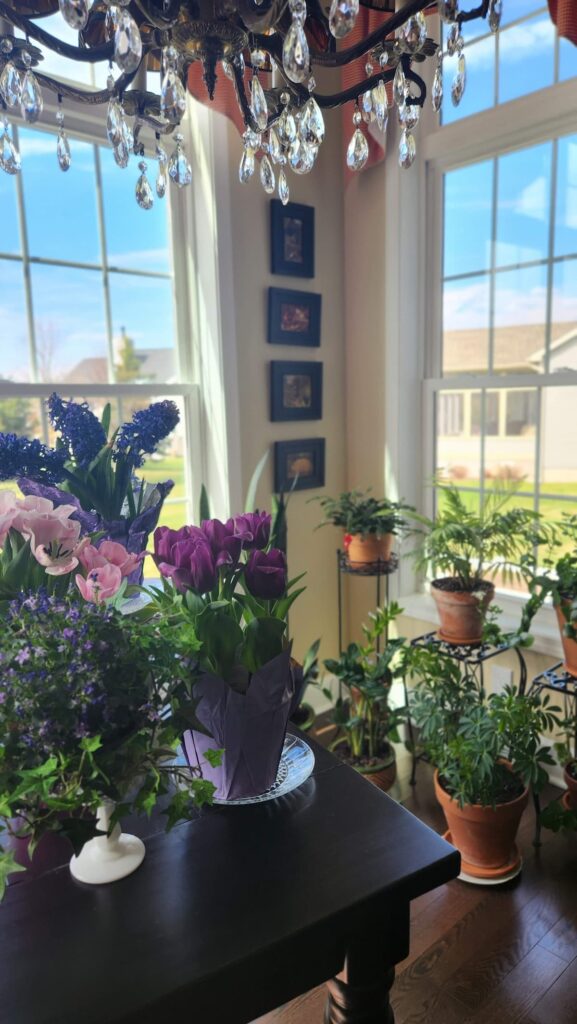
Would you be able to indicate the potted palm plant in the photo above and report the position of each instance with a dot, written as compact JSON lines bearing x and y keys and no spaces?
{"x":470,"y":547}
{"x":487,"y":751}
{"x":369,"y":524}
{"x":559,"y":582}
{"x":367,"y":724}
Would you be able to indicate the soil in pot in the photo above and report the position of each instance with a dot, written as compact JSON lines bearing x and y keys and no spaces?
{"x":461,"y":611}
{"x":362,"y":549}
{"x":570,"y":775}
{"x":569,"y":645}
{"x":380,"y":770}
{"x":485,"y":836}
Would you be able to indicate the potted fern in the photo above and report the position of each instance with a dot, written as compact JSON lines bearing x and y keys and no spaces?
{"x":559,"y":582}
{"x":370,"y":524}
{"x":367,"y":723}
{"x":468,"y":548}
{"x":487,"y":751}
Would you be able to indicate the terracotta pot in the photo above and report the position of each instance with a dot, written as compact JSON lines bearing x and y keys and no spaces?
{"x":381,"y":775}
{"x":571,"y":784}
{"x":461,"y":613}
{"x":484,"y":836}
{"x":363,"y":549}
{"x":569,"y":645}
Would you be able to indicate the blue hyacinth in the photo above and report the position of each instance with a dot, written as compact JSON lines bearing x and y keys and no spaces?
{"x":146,"y":430}
{"x":80,"y":430}
{"x":20,"y":457}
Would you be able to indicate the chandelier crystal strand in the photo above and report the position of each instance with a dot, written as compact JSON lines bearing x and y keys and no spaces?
{"x":10,"y":81}
{"x":413,"y":34}
{"x":161,"y":178}
{"x":172,"y":91}
{"x":399,"y":86}
{"x":63,"y":154}
{"x":143,"y":191}
{"x":267,"y":175}
{"x":127,"y":43}
{"x":448,"y":9}
{"x":247,"y":165}
{"x":453,"y":40}
{"x":358,"y":148}
{"x":274,"y":146}
{"x":283,"y":189}
{"x":258,"y":103}
{"x":460,"y":80}
{"x":179,"y":169}
{"x":381,"y":106}
{"x":366,"y":107}
{"x":31,"y":99}
{"x":9,"y":156}
{"x":342,"y":17}
{"x":437,"y":88}
{"x":407,"y":149}
{"x":295,"y":51}
{"x":74,"y":12}
{"x":312,"y":123}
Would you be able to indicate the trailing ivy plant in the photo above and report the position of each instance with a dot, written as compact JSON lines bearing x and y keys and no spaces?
{"x":558,"y":580}
{"x":358,"y":512}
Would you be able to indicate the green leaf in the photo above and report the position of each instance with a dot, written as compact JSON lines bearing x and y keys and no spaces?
{"x":204,"y":505}
{"x":249,"y":502}
{"x":90,"y":743}
{"x":263,"y":641}
{"x":105,"y":419}
{"x":8,"y":865}
{"x":214,"y":757}
{"x":221,"y":637}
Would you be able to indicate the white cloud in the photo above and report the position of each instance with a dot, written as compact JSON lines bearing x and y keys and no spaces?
{"x":466,"y":308}
{"x":533,"y":200}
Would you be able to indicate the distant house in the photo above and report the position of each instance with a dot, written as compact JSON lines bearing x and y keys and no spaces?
{"x":155,"y":364}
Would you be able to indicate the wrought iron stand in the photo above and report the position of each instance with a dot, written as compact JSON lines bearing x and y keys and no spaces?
{"x":557,"y":680}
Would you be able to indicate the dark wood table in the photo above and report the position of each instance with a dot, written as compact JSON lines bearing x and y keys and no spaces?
{"x":230,"y":915}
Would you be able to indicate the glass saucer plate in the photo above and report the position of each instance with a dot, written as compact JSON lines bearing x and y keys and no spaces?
{"x":296,"y":764}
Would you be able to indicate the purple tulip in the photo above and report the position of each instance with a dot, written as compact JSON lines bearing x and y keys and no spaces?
{"x":254,"y":529}
{"x":185,"y":557}
{"x":225,"y":546}
{"x":266,"y":574}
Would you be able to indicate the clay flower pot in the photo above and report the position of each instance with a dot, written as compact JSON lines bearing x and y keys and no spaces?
{"x":461,"y":612}
{"x":569,"y":645}
{"x":363,"y":549}
{"x":484,"y":836}
{"x":571,"y":783}
{"x":382,"y":774}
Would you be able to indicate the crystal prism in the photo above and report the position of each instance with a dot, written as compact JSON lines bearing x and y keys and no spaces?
{"x":111,"y":20}
{"x":258,"y":104}
{"x":9,"y":155}
{"x":495,"y":13}
{"x":275,"y":148}
{"x":286,"y":127}
{"x":312,"y":123}
{"x":457,"y":89}
{"x":448,"y":9}
{"x":295,"y":53}
{"x":114,"y":122}
{"x":74,"y":12}
{"x":31,"y":101}
{"x":342,"y":17}
{"x":437,"y":89}
{"x":358,"y":151}
{"x":179,"y":168}
{"x":407,"y":149}
{"x":10,"y":85}
{"x":121,"y":153}
{"x":409,"y":115}
{"x":302,"y":157}
{"x":267,"y":177}
{"x":63,"y":153}
{"x":246,"y":169}
{"x":161,"y":180}
{"x":143,"y":193}
{"x":283,"y":189}
{"x":366,"y":104}
{"x":172,"y":97}
{"x":380,"y":106}
{"x":412,"y":34}
{"x":452,"y":39}
{"x":399,"y":86}
{"x":127,"y":43}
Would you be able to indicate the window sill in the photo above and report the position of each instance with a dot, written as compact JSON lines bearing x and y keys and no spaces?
{"x":544,"y":629}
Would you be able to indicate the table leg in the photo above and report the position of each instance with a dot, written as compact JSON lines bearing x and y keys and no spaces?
{"x":360,"y":994}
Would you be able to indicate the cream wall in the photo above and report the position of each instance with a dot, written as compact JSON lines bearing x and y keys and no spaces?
{"x":315,"y":612}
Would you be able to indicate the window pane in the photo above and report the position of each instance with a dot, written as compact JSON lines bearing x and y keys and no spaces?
{"x":510,"y":438}
{"x":142,"y":317}
{"x":14,"y":357}
{"x":520,"y":315}
{"x":526,"y":57}
{"x":10,"y":234}
{"x":468,"y":198}
{"x":480,"y":90}
{"x":563,"y":354}
{"x":169,"y":461}
{"x":458,"y":450}
{"x":21,"y":416}
{"x":567,"y":59}
{"x":70,"y":324}
{"x":514,"y":9}
{"x":135,"y":239}
{"x":50,"y":197}
{"x":524,"y":189}
{"x":566,"y":212}
{"x":466,"y":325}
{"x":491,"y":413}
{"x":558,"y":462}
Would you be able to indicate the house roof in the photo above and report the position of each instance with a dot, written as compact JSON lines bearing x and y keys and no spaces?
{"x":517,"y":349}
{"x":156,"y":364}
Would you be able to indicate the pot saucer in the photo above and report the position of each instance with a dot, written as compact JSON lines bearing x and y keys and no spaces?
{"x":489,"y":876}
{"x":296,"y":765}
{"x":476,"y":642}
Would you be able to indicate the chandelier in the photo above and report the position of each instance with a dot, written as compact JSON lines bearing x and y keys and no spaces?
{"x":246,"y":40}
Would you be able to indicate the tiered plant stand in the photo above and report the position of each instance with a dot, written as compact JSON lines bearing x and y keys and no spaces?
{"x":472,"y":657}
{"x":557,"y":680}
{"x":380,"y":571}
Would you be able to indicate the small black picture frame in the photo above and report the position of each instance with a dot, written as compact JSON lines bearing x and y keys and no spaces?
{"x":294,"y":318}
{"x":292,"y":247}
{"x":303,"y":461}
{"x":296,"y":390}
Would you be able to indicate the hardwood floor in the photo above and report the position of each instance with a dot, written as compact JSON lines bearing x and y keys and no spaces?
{"x":504,"y":955}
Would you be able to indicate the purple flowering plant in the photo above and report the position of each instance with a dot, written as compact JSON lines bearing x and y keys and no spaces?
{"x":98,"y":467}
{"x":230,"y":588}
{"x":92,"y":706}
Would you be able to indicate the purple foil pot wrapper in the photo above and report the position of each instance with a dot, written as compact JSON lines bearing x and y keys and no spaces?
{"x":250,"y":727}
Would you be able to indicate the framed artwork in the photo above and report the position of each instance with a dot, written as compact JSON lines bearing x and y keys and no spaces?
{"x":296,"y":391}
{"x":294,"y":318}
{"x":299,"y":465}
{"x":292,"y":239}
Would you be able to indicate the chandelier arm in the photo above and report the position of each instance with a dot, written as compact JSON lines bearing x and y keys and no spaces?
{"x":161,"y":21}
{"x":477,"y":12}
{"x":327,"y":102}
{"x":78,"y":53}
{"x":412,"y":76}
{"x":91,"y":98}
{"x":242,"y":100}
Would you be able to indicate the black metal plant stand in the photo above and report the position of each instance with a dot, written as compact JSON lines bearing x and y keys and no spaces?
{"x":379,"y":570}
{"x":557,"y":680}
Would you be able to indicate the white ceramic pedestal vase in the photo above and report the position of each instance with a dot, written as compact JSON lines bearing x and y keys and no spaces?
{"x":107,"y":858}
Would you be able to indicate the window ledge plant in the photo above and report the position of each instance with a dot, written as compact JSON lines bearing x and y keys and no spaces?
{"x":369,"y":524}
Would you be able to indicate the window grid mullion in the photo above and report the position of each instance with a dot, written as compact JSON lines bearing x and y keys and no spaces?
{"x":104,"y":259}
{"x":494,"y":198}
{"x":551,"y":246}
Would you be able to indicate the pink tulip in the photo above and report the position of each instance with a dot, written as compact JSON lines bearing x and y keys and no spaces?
{"x":32,"y":503}
{"x":8,"y":512}
{"x":90,"y":558}
{"x":100,"y":584}
{"x":116,"y":554}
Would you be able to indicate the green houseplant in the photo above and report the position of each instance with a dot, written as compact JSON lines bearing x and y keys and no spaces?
{"x":367,"y":723}
{"x":369,"y":523}
{"x":558,"y":581}
{"x":467,"y":548}
{"x":487,"y":751}
{"x":92,"y":707}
